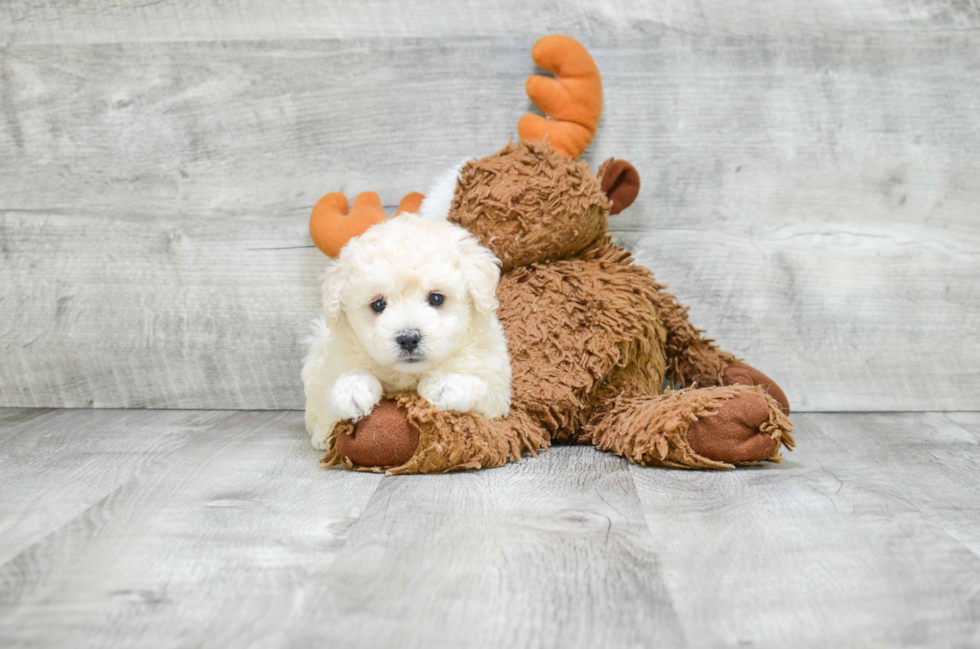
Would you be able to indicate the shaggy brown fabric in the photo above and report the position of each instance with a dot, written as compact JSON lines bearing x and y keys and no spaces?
{"x":444,"y":441}
{"x":577,"y":330}
{"x":529,"y":204}
{"x":591,"y":336}
{"x":655,"y":430}
{"x":744,"y":374}
{"x":694,"y":359}
{"x":449,"y":441}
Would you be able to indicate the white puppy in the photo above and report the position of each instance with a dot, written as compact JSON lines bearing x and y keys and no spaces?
{"x":409,"y":304}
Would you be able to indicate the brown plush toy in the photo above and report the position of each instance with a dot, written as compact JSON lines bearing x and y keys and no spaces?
{"x":592,"y":336}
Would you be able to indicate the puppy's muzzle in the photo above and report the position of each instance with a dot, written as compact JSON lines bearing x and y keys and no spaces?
{"x":408,"y":341}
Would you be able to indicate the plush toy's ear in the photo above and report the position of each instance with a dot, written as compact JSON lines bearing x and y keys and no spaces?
{"x":620,"y":183}
{"x":481,"y":270}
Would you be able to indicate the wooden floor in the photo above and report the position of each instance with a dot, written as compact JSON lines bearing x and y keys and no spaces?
{"x":215,"y":528}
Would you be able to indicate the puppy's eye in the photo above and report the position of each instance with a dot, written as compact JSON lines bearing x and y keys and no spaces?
{"x":379,"y":305}
{"x":436,"y":299}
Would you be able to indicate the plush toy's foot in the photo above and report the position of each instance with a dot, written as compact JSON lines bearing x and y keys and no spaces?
{"x":705,"y":428}
{"x":739,"y":373}
{"x":735,"y":434}
{"x":407,"y":434}
{"x":382,"y":439}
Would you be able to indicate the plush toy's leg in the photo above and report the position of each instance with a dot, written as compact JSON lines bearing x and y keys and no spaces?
{"x":693,"y":359}
{"x":409,"y":435}
{"x":716,"y":427}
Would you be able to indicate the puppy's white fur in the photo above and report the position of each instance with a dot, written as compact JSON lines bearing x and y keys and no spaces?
{"x":462,"y":362}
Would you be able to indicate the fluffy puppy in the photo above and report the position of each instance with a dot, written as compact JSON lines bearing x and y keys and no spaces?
{"x":409,"y":304}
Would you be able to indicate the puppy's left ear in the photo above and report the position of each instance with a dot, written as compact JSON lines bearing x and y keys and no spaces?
{"x":481,"y":271}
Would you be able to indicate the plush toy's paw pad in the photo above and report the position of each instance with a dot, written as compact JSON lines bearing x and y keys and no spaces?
{"x":732,"y":435}
{"x":452,"y":391}
{"x":743,"y":374}
{"x":354,"y":396}
{"x":383,"y":438}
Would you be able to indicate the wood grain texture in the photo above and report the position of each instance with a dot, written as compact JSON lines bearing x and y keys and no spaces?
{"x":867,"y":535}
{"x":932,"y":456}
{"x":219,"y":543}
{"x":967,"y":420}
{"x":549,"y":552}
{"x":812,"y":199}
{"x":870,"y":529}
{"x":41,"y":21}
{"x":11,"y":416}
{"x":60,"y":463}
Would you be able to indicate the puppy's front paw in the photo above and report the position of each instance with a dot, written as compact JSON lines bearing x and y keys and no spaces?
{"x":452,"y":391}
{"x":319,"y":438}
{"x":355,"y":395}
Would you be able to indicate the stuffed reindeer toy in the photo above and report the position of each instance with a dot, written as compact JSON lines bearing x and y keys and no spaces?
{"x":600,"y":353}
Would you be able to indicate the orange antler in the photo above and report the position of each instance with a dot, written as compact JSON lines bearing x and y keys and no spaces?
{"x":572,"y":100}
{"x":331,"y":226}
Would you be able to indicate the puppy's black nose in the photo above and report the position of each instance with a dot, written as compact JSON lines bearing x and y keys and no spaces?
{"x":408,"y":340}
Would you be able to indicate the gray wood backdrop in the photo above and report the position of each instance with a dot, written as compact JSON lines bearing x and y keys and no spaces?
{"x":810,"y":179}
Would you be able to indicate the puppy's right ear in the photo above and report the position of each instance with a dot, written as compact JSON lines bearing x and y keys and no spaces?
{"x":481,"y":270}
{"x":333,"y":281}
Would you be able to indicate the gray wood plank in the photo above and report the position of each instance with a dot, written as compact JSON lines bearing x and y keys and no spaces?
{"x":932,"y":457}
{"x":813,"y":200}
{"x":856,"y":538}
{"x":549,"y":552}
{"x":41,"y":21}
{"x":866,"y":535}
{"x":967,"y":420}
{"x":56,"y":466}
{"x":219,"y":543}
